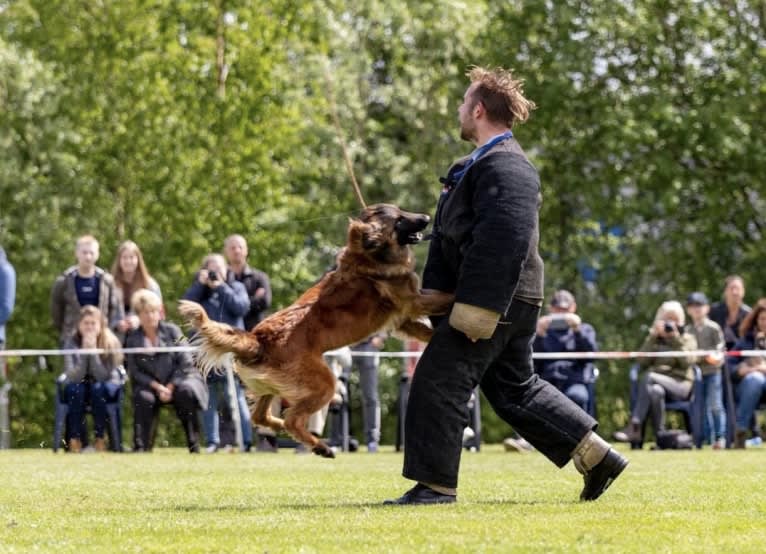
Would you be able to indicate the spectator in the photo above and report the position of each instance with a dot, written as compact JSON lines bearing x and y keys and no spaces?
{"x":89,"y":376}
{"x":748,"y":374}
{"x":340,"y":363}
{"x":84,"y":284}
{"x":130,"y":274}
{"x":731,"y":312}
{"x":256,"y":282}
{"x":224,"y":299}
{"x":7,"y":301}
{"x":563,"y":331}
{"x":709,"y":336}
{"x":665,"y":377}
{"x":368,"y":381}
{"x":259,"y":292}
{"x":163,"y":377}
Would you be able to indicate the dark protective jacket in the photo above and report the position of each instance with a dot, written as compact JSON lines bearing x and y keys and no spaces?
{"x":486,"y":231}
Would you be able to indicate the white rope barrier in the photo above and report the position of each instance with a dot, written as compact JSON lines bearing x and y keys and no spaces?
{"x":613,"y":355}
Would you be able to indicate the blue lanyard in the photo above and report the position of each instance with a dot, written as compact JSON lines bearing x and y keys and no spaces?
{"x":457,"y":175}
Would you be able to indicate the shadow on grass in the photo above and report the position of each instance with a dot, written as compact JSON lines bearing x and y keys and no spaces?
{"x":239,"y":508}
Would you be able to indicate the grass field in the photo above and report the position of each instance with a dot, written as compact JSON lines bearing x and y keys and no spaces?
{"x":169,"y":501}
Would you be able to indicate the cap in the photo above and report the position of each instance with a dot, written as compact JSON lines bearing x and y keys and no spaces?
{"x":562,"y":299}
{"x":697,"y":298}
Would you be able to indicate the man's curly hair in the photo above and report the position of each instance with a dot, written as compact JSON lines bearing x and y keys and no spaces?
{"x":501,"y":94}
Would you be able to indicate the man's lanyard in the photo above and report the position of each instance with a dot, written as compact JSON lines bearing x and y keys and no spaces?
{"x":457,"y":175}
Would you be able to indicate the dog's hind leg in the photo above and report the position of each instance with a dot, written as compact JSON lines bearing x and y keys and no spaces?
{"x":296,"y":420}
{"x":262,"y":414}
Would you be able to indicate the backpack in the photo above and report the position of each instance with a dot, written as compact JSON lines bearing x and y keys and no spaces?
{"x":675,"y":439}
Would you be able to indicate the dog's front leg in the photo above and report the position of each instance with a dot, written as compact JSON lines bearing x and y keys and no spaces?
{"x":417,"y":330}
{"x":434,"y":302}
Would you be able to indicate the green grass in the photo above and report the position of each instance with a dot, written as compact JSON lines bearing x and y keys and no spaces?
{"x":169,"y":501}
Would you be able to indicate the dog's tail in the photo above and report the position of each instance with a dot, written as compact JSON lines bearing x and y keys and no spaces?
{"x":218,"y":342}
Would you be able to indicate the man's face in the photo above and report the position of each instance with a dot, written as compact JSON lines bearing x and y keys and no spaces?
{"x":465,"y":113}
{"x":697,"y":311}
{"x":87,"y":254}
{"x":236,"y":251}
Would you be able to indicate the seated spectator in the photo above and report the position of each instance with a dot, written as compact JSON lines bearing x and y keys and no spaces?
{"x":748,"y":374}
{"x":664,"y":377}
{"x":731,"y":312}
{"x":162,"y":377}
{"x":563,"y":331}
{"x":709,"y":336}
{"x":93,"y":377}
{"x":130,"y":274}
{"x":224,"y":299}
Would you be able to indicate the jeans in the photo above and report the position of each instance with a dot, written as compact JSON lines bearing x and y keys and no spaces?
{"x":715,"y":416}
{"x":749,"y":392}
{"x":77,"y":396}
{"x":368,"y":382}
{"x":210,"y":416}
{"x":449,"y":370}
{"x":577,"y":393}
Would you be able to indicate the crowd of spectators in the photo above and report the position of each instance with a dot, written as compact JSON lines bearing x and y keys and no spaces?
{"x":92,"y":308}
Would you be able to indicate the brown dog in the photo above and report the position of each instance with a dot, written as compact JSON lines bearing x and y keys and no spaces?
{"x":374,"y":287}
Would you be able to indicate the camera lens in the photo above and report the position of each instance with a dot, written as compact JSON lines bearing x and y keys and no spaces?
{"x":212,"y":275}
{"x":669,"y":327}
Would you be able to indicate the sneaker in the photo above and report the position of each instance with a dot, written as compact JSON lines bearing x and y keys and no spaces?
{"x":514,"y":445}
{"x":372,"y":447}
{"x":301,"y":449}
{"x":420,"y":494}
{"x":755,"y":442}
{"x":719,"y":444}
{"x":598,"y":479}
{"x":211,"y":449}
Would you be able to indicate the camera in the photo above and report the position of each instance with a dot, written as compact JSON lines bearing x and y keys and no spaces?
{"x":212,"y":275}
{"x":558,"y":322}
{"x":670,"y":327}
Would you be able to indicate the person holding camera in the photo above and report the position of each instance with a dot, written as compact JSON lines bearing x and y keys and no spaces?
{"x":224,"y":299}
{"x":562,"y":330}
{"x":748,"y":374}
{"x":663,"y":378}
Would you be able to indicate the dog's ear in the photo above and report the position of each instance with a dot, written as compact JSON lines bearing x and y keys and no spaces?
{"x":364,"y":236}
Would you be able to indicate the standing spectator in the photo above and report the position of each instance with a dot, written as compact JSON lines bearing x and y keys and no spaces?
{"x":224,"y":299}
{"x":84,"y":284}
{"x":258,"y":288}
{"x":256,"y":282}
{"x":748,"y":375}
{"x":563,"y":331}
{"x":484,"y":248}
{"x":89,"y":376}
{"x":709,"y":336}
{"x":130,"y":274}
{"x":665,"y":377}
{"x":161,"y":378}
{"x":731,"y":312}
{"x":7,"y":301}
{"x":368,"y":382}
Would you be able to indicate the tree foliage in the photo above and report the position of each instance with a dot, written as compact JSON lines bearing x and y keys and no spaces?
{"x":175,"y":124}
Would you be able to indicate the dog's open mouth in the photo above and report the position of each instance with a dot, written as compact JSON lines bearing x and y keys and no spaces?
{"x":411,"y":238}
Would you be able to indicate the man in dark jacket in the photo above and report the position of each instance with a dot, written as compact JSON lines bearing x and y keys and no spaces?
{"x":256,"y":282}
{"x":484,"y":249}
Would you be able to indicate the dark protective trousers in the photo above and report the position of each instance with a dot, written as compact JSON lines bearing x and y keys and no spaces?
{"x":450,"y":368}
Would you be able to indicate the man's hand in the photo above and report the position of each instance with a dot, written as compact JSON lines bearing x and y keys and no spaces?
{"x":542,"y":325}
{"x":477,"y":323}
{"x":574,"y":321}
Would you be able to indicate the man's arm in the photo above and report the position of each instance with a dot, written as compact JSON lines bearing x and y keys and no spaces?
{"x":261,"y":299}
{"x":58,"y":303}
{"x":235,"y":298}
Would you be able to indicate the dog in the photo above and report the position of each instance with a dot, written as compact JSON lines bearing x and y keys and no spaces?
{"x":373,"y":287}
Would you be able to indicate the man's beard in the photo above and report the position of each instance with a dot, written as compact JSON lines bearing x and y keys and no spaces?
{"x":467,"y":132}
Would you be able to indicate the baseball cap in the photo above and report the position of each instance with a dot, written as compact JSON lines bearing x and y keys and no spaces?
{"x":698,"y":298}
{"x":562,"y":299}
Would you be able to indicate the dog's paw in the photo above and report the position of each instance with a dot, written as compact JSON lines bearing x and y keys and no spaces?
{"x":321,"y":449}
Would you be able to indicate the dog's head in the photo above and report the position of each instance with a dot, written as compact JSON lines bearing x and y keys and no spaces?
{"x":383,"y":231}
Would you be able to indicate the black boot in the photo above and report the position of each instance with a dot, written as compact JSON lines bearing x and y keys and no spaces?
{"x":598,"y":479}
